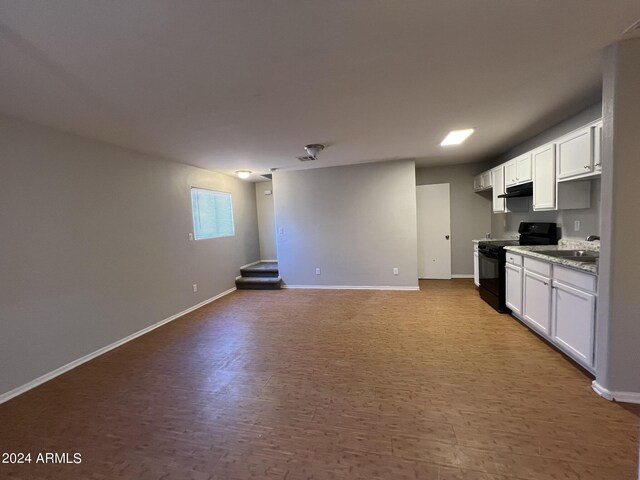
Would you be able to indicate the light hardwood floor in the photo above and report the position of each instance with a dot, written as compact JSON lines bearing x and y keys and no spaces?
{"x":328,"y":384}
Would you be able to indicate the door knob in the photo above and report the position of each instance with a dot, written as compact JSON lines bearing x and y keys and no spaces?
{"x":447,"y":237}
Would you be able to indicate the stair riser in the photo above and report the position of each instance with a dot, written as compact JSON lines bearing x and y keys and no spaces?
{"x":258,"y":286}
{"x":263,"y":274}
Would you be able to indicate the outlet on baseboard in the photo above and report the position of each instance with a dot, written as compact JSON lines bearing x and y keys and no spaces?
{"x":195,"y":287}
{"x":318,"y":272}
{"x":396,"y":271}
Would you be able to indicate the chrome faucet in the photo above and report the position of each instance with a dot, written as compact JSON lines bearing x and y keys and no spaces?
{"x":591,"y":238}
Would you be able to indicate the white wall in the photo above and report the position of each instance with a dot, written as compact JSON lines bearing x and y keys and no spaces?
{"x":470,"y":211}
{"x":356,"y":223}
{"x":618,"y":320}
{"x":506,"y":224}
{"x":266,"y":221}
{"x":95,"y":246}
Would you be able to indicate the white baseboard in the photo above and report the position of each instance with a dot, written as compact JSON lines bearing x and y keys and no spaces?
{"x":71,"y":365}
{"x":269,"y":260}
{"x":350,"y":287}
{"x":625,"y":397}
{"x":462,"y":275}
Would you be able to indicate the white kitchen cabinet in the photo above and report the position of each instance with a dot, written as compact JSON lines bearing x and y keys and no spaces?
{"x":536,"y":302}
{"x":523,"y":168}
{"x":482,"y":181}
{"x":575,"y":153}
{"x":476,"y":268}
{"x":557,"y":302}
{"x":497,"y":180}
{"x":513,"y":283}
{"x":518,"y":170}
{"x":544,"y":177}
{"x":551,"y":195}
{"x":573,"y":317}
{"x":597,"y":148}
{"x":486,"y":179}
{"x":510,"y":173}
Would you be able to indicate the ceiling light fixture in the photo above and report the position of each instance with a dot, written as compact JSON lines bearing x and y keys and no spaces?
{"x":243,"y":173}
{"x":313,"y":149}
{"x":456,"y":137}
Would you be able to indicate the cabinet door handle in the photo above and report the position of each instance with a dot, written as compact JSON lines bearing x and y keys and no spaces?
{"x":545,"y":283}
{"x":586,"y":166}
{"x":598,"y":164}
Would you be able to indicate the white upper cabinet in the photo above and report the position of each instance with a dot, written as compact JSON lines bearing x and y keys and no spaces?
{"x":510,"y":173}
{"x":477,"y":182}
{"x":560,"y":171}
{"x":523,"y":168}
{"x":486,"y":179}
{"x":518,"y":170}
{"x":497,"y":180}
{"x":482,"y":181}
{"x":575,"y":153}
{"x":544,"y":177}
{"x":597,"y":148}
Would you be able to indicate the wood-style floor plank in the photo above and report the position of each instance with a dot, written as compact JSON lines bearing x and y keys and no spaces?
{"x":321,"y":384}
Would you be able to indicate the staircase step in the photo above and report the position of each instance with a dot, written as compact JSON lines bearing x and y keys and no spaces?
{"x":262,"y":269}
{"x":258,"y":283}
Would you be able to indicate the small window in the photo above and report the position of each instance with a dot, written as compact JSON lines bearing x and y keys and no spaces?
{"x":212,"y":214}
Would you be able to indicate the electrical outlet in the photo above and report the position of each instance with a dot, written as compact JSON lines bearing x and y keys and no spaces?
{"x":281,"y":231}
{"x":195,"y":287}
{"x":318,"y":272}
{"x":576,"y":226}
{"x":395,"y":271}
{"x":190,"y":236}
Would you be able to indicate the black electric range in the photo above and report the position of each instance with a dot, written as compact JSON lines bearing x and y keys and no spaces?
{"x":492,"y":259}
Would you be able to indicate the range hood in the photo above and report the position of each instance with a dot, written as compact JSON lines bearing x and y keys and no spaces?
{"x":522,"y":190}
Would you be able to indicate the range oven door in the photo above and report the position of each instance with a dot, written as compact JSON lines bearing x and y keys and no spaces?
{"x":489,"y":271}
{"x":492,"y":278}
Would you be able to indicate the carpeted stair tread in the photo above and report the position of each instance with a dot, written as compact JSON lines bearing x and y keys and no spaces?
{"x":263,"y":269}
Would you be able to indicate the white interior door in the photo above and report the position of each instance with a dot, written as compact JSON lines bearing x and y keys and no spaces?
{"x":434,"y":231}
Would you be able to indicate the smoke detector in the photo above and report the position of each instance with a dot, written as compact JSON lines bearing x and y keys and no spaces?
{"x":313,"y":149}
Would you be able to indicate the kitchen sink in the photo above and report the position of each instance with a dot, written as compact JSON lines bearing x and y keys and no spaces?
{"x":585,"y":256}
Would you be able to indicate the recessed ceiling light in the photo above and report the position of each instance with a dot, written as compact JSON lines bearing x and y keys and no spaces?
{"x":243,"y":173}
{"x":456,"y":137}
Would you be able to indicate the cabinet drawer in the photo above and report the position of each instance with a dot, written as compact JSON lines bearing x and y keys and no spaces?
{"x":514,"y":259}
{"x":538,"y":266}
{"x":584,"y":281}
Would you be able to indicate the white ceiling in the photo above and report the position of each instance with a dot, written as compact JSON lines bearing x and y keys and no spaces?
{"x":245,"y":84}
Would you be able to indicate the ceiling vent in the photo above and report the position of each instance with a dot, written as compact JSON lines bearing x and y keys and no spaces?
{"x":307,"y":158}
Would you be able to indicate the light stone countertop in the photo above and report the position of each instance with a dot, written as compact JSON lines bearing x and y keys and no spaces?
{"x":532,"y":251}
{"x":492,"y":240}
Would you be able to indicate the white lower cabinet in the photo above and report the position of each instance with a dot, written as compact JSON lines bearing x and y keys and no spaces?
{"x":557,"y":302}
{"x":574,"y":313}
{"x":476,"y":268}
{"x":513,"y":283}
{"x":536,"y":301}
